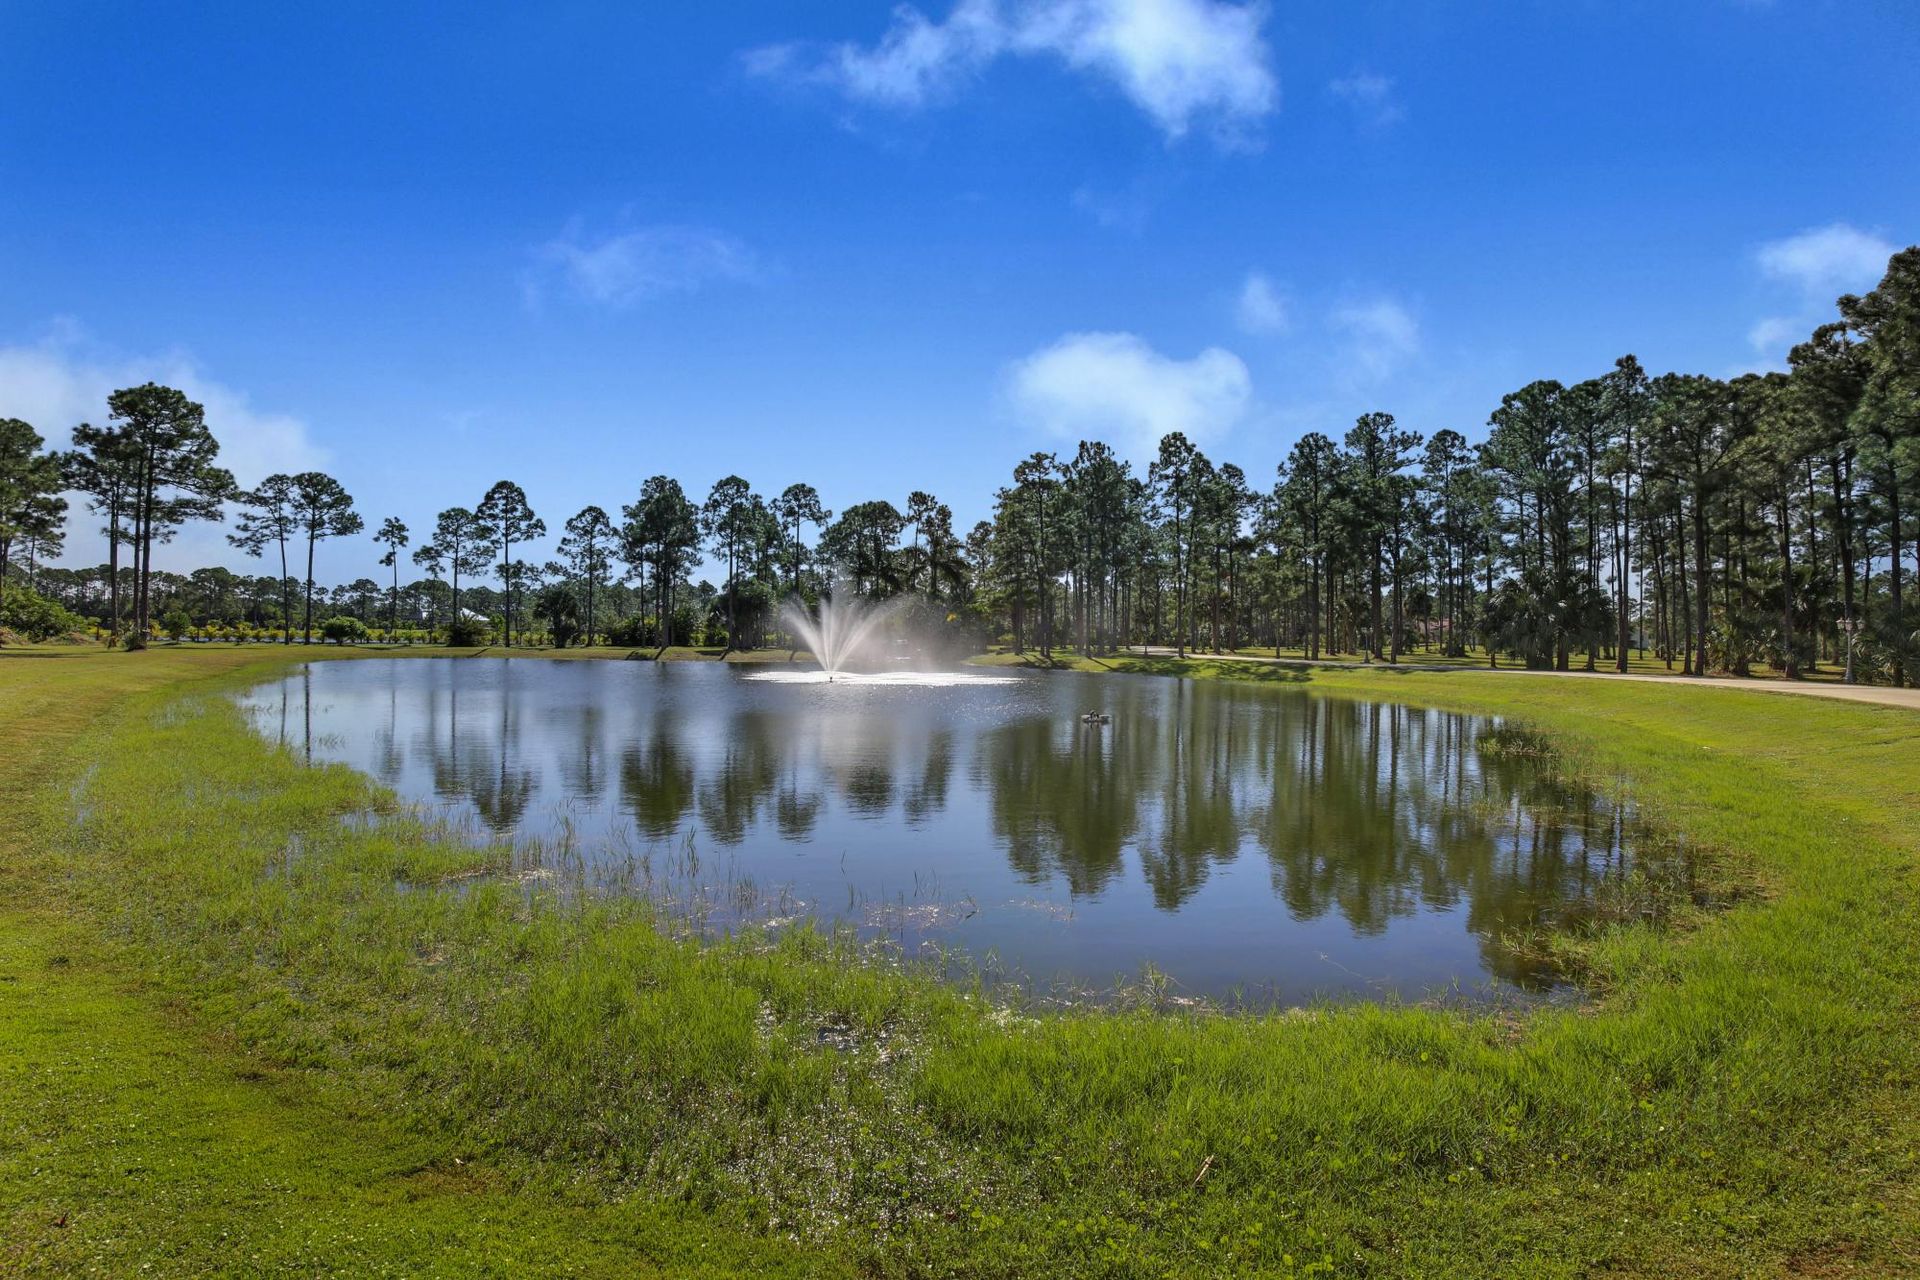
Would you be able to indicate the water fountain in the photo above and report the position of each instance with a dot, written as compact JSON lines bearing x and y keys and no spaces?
{"x":842,"y":631}
{"x":846,"y":637}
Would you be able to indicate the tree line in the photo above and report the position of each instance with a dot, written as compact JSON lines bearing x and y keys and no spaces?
{"x":1717,"y":524}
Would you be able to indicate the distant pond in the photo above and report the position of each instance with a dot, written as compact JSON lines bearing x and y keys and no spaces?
{"x":1251,"y":843}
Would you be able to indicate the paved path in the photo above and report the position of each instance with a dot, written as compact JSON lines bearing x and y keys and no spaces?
{"x":1883,"y":695}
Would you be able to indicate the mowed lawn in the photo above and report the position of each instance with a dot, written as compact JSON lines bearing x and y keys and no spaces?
{"x":241,"y":1036}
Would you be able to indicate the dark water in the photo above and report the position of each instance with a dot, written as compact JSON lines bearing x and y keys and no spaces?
{"x":1250,"y":840}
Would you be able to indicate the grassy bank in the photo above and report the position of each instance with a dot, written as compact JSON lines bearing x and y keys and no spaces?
{"x":297,"y":652}
{"x":1232,"y":665}
{"x":227,"y":1011}
{"x":140,"y":1133}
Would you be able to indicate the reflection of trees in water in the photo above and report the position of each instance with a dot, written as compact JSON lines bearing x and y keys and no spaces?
{"x":1345,"y":820}
{"x":1200,"y":741}
{"x":583,"y":771}
{"x":1555,"y":844}
{"x":656,"y":782}
{"x":388,"y":756}
{"x":1060,"y":801}
{"x":868,"y":787}
{"x":1069,"y":800}
{"x":857,"y":752}
{"x":1372,"y":811}
{"x":473,"y":760}
{"x":1380,"y":810}
{"x":744,"y":777}
{"x":927,"y":794}
{"x":796,"y":810}
{"x":782,"y":765}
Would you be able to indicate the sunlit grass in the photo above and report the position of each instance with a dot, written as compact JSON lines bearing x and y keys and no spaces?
{"x":1735,"y":1097}
{"x":1239,"y":662}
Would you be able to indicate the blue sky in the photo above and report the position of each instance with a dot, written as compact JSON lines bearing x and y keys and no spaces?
{"x":425,"y":247}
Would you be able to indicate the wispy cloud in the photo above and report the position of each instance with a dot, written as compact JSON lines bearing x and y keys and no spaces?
{"x":1371,"y":97}
{"x":1818,"y":265}
{"x":65,"y":378}
{"x":1116,"y":387}
{"x":1827,"y":261}
{"x":620,"y":269}
{"x":1773,"y":335}
{"x":1260,"y":309}
{"x":1379,"y":335}
{"x":1177,"y":60}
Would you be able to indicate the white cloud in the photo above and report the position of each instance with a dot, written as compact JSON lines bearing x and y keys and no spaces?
{"x":1115,"y":387}
{"x":57,"y":383}
{"x":1261,"y":309}
{"x":1380,"y":334}
{"x":1817,"y":266}
{"x":634,"y":266}
{"x":1826,"y":262}
{"x":917,"y":59}
{"x":1372,"y":98}
{"x":1176,"y":60}
{"x":64,"y":380}
{"x":1775,"y":334}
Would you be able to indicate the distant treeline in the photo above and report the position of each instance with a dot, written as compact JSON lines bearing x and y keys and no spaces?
{"x":1770,"y":519}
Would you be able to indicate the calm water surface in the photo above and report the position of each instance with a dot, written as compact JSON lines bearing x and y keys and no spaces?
{"x":1252,"y":840}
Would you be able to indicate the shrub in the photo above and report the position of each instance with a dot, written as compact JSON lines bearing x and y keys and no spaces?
{"x":684,"y":624}
{"x":176,"y":624}
{"x":559,"y":608}
{"x":463,"y":633}
{"x":344,"y":630}
{"x":32,"y":616}
{"x":632,"y":632}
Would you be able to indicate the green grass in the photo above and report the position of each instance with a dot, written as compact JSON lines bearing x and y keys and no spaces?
{"x":358,"y":1047}
{"x":1067,"y":657}
{"x":297,"y":652}
{"x":140,"y":1136}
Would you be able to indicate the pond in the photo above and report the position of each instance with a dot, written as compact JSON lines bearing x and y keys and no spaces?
{"x":1251,"y":843}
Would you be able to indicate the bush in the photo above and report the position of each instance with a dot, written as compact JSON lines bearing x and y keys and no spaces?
{"x":684,"y":626}
{"x":467,"y":633}
{"x":32,"y":616}
{"x":344,"y":630}
{"x":559,"y":608}
{"x":176,"y":624}
{"x":630,"y":632}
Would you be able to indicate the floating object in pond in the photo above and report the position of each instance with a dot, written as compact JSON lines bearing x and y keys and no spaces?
{"x":1096,"y":717}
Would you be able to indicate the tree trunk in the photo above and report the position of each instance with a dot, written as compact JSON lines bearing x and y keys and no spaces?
{"x":308,"y":624}
{"x":1623,"y":550}
{"x":1703,"y":594}
{"x":1393,"y":642}
{"x":143,"y":546}
{"x":506,"y":582}
{"x":1893,"y":548}
{"x":1373,"y":609}
{"x":1843,"y":522}
{"x":1792,"y":660}
{"x":286,"y":597}
{"x":1313,"y":612}
{"x":113,"y":566}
